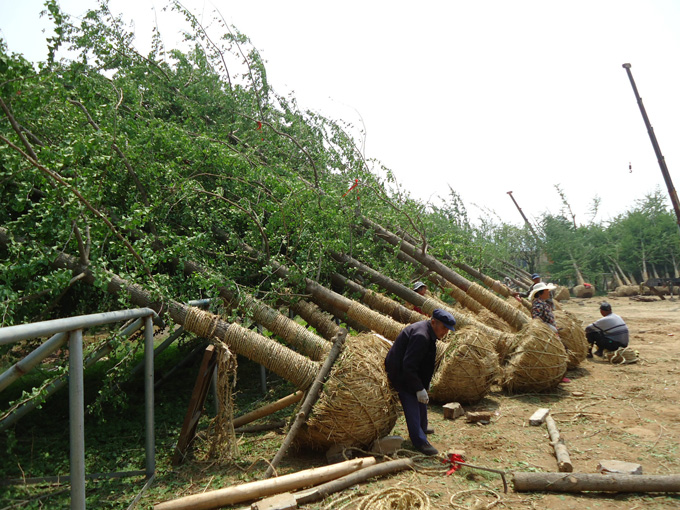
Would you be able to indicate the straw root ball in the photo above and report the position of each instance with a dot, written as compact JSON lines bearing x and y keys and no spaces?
{"x":627,"y":290}
{"x":573,"y":337}
{"x":466,"y":369}
{"x":561,"y":293}
{"x":357,"y":404}
{"x":492,"y":320}
{"x":581,"y":291}
{"x":538,"y":360}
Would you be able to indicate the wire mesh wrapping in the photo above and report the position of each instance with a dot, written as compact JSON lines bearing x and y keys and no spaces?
{"x":386,"y":326}
{"x":573,"y":337}
{"x":357,"y":404}
{"x":537,"y":361}
{"x":221,"y":436}
{"x":388,"y":306}
{"x":467,"y":368}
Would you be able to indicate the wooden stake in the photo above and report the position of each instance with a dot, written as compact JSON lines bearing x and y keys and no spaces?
{"x":263,"y":488}
{"x":563,"y":460}
{"x":268,"y":409}
{"x":310,"y":399}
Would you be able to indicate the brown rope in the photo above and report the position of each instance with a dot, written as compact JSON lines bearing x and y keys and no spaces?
{"x":200,"y":322}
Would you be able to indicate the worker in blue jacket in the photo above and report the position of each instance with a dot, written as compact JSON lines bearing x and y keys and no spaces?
{"x":410,"y":366}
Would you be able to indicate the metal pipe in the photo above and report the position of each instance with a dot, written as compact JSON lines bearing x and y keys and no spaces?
{"x":149,"y":398}
{"x":12,"y":334}
{"x":657,"y":149}
{"x":22,"y":367}
{"x":60,"y":382}
{"x":76,"y":404}
{"x":166,"y":343}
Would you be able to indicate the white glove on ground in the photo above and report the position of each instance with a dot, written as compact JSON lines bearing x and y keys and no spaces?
{"x":422,"y":396}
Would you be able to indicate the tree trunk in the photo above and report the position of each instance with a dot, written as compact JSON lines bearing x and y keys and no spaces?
{"x":511,"y":315}
{"x":580,"y":482}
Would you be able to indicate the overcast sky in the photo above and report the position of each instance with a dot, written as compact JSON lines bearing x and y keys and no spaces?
{"x":483,"y":96}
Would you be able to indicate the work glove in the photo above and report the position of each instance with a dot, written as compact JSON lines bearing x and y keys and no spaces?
{"x":422,"y":396}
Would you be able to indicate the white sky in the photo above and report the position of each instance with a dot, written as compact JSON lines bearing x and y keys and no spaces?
{"x":486,"y":96}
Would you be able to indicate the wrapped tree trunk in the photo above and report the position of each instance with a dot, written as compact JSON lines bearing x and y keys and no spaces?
{"x":511,"y":315}
{"x":351,"y":410}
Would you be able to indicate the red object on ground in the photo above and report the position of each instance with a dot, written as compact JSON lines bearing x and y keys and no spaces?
{"x":453,"y":460}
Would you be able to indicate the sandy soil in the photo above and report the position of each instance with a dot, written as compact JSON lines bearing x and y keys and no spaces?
{"x":608,"y":412}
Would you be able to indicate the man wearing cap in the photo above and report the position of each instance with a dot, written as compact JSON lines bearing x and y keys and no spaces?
{"x":420,"y":288}
{"x":608,"y":333}
{"x":410,"y":365}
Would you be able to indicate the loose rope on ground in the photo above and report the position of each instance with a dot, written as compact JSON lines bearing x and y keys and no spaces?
{"x":478,"y":503}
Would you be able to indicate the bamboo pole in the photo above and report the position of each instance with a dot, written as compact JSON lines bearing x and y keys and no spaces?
{"x":268,"y":409}
{"x":262,"y":488}
{"x":580,"y":482}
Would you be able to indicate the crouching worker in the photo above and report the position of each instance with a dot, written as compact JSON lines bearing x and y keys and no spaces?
{"x":410,"y":365}
{"x":608,"y":333}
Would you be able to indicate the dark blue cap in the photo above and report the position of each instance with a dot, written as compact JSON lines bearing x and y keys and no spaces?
{"x":445,"y":318}
{"x":535,"y":275}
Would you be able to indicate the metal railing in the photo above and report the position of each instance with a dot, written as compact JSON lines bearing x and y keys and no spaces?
{"x":71,"y":329}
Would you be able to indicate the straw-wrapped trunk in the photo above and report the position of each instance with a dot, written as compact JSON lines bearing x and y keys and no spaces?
{"x":511,"y":315}
{"x":370,"y":405}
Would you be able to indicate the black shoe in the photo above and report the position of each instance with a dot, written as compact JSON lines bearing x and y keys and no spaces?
{"x":589,"y":355}
{"x":599,"y":352}
{"x":429,"y":430}
{"x":427,"y":449}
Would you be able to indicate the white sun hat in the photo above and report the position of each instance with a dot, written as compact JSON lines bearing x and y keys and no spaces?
{"x":539,"y":287}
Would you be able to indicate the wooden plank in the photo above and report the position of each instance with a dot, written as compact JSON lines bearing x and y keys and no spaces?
{"x":539,"y":416}
{"x":198,"y":396}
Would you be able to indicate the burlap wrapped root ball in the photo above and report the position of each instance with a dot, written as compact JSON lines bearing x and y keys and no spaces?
{"x":467,"y":368}
{"x":537,"y":362}
{"x":573,"y":337}
{"x":627,"y":290}
{"x":581,"y":291}
{"x":357,"y":404}
{"x":492,"y":320}
{"x":561,"y":293}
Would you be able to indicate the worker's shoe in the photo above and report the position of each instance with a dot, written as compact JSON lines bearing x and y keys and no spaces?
{"x":427,"y":449}
{"x":429,"y":430}
{"x":599,"y":352}
{"x":590,"y":352}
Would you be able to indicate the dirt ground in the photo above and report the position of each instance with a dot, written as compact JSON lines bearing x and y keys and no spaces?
{"x":626,"y":412}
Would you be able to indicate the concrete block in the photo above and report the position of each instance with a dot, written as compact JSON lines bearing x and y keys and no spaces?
{"x":619,"y":466}
{"x":453,"y":410}
{"x":285,"y":501}
{"x":387,"y":445}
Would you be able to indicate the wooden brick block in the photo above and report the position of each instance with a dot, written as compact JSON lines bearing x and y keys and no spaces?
{"x":539,"y":416}
{"x":453,"y":410}
{"x":480,"y":416}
